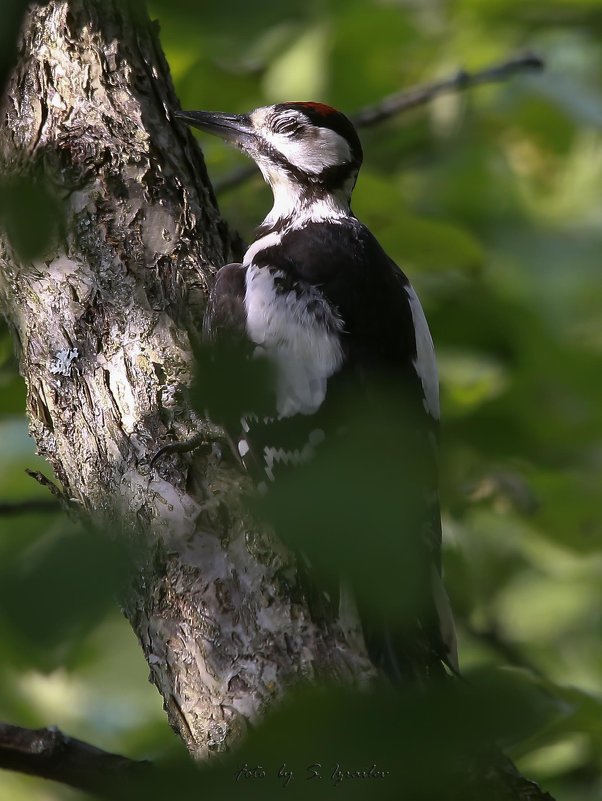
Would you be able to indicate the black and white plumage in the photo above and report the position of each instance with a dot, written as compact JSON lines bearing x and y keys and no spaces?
{"x":318,"y":299}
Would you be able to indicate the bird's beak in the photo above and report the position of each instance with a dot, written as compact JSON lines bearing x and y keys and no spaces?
{"x":235,"y":128}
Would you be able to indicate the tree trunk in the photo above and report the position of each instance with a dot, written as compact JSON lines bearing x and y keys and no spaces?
{"x":101,"y":324}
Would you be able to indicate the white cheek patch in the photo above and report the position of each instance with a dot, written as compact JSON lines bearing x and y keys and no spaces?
{"x":425,"y":363}
{"x":312,"y":151}
{"x":299,"y":334}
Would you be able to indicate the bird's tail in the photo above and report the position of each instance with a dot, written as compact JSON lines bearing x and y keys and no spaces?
{"x":424,"y":645}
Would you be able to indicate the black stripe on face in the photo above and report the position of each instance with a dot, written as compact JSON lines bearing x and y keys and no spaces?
{"x":329,"y":179}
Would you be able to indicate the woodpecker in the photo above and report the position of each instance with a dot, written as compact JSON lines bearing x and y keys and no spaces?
{"x":318,"y":300}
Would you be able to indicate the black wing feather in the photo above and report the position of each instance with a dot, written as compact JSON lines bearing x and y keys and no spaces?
{"x":225,"y":312}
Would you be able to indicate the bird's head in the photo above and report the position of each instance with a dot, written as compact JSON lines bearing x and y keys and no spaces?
{"x":304,"y":150}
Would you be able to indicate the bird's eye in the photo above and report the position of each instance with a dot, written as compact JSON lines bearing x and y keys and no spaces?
{"x":287,"y":127}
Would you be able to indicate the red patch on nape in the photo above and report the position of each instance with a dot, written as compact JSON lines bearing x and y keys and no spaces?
{"x":317,"y":108}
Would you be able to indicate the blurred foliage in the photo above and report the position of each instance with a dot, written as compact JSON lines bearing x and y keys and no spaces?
{"x":322,"y":741}
{"x":27,"y":198}
{"x":13,"y":13}
{"x":491,"y":201}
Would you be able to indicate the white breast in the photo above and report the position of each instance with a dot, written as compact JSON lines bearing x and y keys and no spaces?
{"x":300,"y":335}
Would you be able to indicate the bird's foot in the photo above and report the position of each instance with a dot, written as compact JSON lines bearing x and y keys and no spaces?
{"x":210,"y":435}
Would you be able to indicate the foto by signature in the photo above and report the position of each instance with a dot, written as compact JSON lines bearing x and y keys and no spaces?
{"x":334,"y":774}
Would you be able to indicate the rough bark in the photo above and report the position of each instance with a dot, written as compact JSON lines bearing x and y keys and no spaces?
{"x":101,"y":324}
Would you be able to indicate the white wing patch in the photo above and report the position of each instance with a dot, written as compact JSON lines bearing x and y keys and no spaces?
{"x":299,"y":334}
{"x":425,"y":363}
{"x":447,"y":626}
{"x":280,"y":456}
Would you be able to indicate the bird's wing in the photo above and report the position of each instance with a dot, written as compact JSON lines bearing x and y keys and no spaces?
{"x":225,"y":312}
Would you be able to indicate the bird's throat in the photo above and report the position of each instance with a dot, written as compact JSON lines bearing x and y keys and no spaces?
{"x":296,"y":205}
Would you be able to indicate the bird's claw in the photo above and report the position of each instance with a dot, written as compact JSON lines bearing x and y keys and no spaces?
{"x":185,"y":446}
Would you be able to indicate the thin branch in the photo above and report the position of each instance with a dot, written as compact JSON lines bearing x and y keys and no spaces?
{"x":32,"y":506}
{"x":462,"y":80}
{"x":411,"y":98}
{"x":235,"y":178}
{"x":490,"y":636}
{"x":45,"y":482}
{"x":66,"y":504}
{"x":50,"y":754}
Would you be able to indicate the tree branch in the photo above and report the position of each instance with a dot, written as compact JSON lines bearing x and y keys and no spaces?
{"x":50,"y":754}
{"x":411,"y":98}
{"x":491,"y":637}
{"x":31,"y":506}
{"x":460,"y":82}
